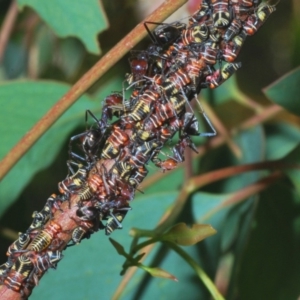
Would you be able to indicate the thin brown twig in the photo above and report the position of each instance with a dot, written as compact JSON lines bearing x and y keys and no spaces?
{"x":245,"y":193}
{"x":222,"y":130}
{"x":259,"y":118}
{"x":7,"y":27}
{"x":248,"y":102}
{"x":201,"y":180}
{"x":85,"y":82}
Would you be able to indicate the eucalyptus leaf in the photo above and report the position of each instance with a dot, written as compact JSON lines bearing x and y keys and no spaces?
{"x":158,"y":272}
{"x":294,"y":172}
{"x":183,"y":235}
{"x":285,"y":91}
{"x":118,"y":247}
{"x":25,"y":103}
{"x":281,"y":139}
{"x":272,"y":255}
{"x":82,"y":19}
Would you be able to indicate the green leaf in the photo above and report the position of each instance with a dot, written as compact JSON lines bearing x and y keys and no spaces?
{"x":252,"y":145}
{"x":169,"y":182}
{"x":71,"y":55}
{"x":158,"y":272}
{"x":229,"y":221}
{"x":15,"y":60}
{"x":82,"y":19}
{"x":183,"y":235}
{"x":294,"y":173}
{"x":131,"y":262}
{"x":25,"y":103}
{"x":41,"y":54}
{"x":118,"y":247}
{"x":285,"y":91}
{"x":272,"y":256}
{"x":188,"y":284}
{"x":282,"y":138}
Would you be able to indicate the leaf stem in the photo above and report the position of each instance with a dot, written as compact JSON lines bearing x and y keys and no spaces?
{"x":199,"y":271}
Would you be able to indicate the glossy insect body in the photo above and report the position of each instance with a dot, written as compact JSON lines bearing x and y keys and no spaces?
{"x":114,"y":222}
{"x":163,"y":36}
{"x":255,"y":21}
{"x":244,"y":3}
{"x":166,"y":133}
{"x":19,"y":273}
{"x":232,"y":49}
{"x":94,"y":182}
{"x":214,"y":34}
{"x":4,"y":269}
{"x":175,"y":82}
{"x":94,"y":187}
{"x":20,"y":244}
{"x":209,"y":53}
{"x":48,"y":260}
{"x":178,"y":103}
{"x":138,"y":176}
{"x":178,"y":150}
{"x":80,"y":232}
{"x":88,"y":213}
{"x":221,"y":15}
{"x":242,"y":8}
{"x":233,"y":30}
{"x":143,"y":153}
{"x":40,"y":218}
{"x":194,"y":67}
{"x":114,"y":143}
{"x":219,"y":76}
{"x":194,"y":35}
{"x":113,"y":106}
{"x":139,"y":65}
{"x":43,"y":261}
{"x":164,"y":112}
{"x":13,"y":251}
{"x":73,"y":183}
{"x":84,"y":230}
{"x":202,"y":14}
{"x":144,"y":105}
{"x":89,"y":222}
{"x":122,"y":169}
{"x":176,"y":55}
{"x":161,"y":114}
{"x":91,"y":141}
{"x":45,"y":237}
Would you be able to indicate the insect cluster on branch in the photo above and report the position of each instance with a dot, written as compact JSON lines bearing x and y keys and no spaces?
{"x":116,"y":149}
